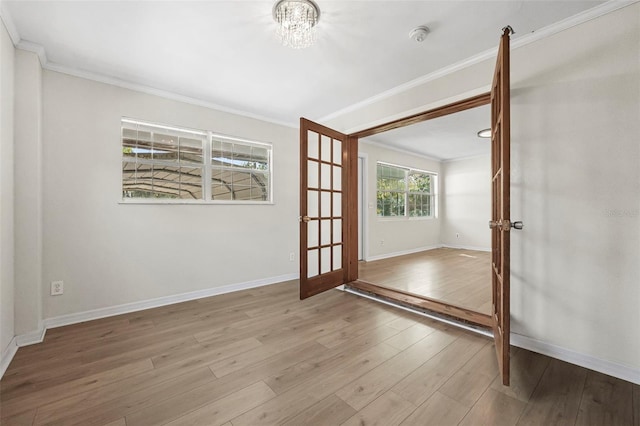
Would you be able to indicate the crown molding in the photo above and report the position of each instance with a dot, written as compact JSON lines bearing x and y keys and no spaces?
{"x":34,"y":48}
{"x":39,"y":50}
{"x":593,"y":13}
{"x":548,"y":31}
{"x":5,"y":16}
{"x":102,"y":78}
{"x":466,"y":157}
{"x":400,"y":150}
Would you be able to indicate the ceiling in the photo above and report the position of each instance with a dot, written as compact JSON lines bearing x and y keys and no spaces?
{"x":444,"y":138}
{"x":226,"y":52}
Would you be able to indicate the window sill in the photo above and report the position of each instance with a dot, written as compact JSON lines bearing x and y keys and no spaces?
{"x":404,"y":218}
{"x":196,"y":202}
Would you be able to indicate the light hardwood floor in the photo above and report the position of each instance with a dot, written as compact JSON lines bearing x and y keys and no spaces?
{"x":459,"y":277}
{"x":263,"y":357}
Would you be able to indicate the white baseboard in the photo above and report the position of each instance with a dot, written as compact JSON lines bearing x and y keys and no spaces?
{"x":400,"y":253}
{"x":473,"y":248}
{"x":33,"y":337}
{"x":38,"y":335}
{"x":607,"y":367}
{"x":7,"y":356}
{"x":603,"y":366}
{"x":161,"y":301}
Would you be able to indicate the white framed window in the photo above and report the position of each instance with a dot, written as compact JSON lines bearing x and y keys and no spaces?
{"x":167,"y":164}
{"x":405,"y":192}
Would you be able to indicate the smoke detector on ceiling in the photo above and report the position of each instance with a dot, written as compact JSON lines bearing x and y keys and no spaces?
{"x":419,"y":34}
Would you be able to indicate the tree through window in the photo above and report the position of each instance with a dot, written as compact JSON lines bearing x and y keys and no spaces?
{"x":403,"y":192}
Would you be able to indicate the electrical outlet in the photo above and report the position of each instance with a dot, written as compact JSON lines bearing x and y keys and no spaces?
{"x":292,"y":257}
{"x":381,"y":242}
{"x":57,"y":288}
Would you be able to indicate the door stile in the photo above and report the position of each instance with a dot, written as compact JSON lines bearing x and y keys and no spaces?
{"x":501,"y":215}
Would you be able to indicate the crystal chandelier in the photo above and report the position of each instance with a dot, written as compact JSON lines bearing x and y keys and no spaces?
{"x":296,"y":22}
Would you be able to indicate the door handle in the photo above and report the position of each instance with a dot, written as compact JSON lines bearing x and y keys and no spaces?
{"x":305,"y":219}
{"x":505,"y":225}
{"x":517,"y":225}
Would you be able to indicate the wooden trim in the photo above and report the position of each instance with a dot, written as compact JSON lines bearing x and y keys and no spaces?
{"x":351,"y":214}
{"x":476,"y":101}
{"x":500,"y":195}
{"x":351,"y":271}
{"x":302,"y":229}
{"x":425,"y":303}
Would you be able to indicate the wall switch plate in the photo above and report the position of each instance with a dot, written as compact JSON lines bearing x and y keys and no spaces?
{"x":57,"y":288}
{"x":292,"y":257}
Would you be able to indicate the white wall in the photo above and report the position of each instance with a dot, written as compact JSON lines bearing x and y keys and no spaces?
{"x":28,"y":192}
{"x":109,"y":253}
{"x":400,"y":235}
{"x":466,"y":203}
{"x":6,"y":191}
{"x":575,"y":184}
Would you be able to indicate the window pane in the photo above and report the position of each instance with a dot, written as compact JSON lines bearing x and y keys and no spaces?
{"x":397,"y":185}
{"x":190,"y":183}
{"x":221,"y":153}
{"x":325,"y":148}
{"x":337,"y":204}
{"x":312,"y":233}
{"x":312,"y":174}
{"x":337,"y":257}
{"x":160,"y":162}
{"x":419,"y":182}
{"x":337,"y":178}
{"x":190,"y":151}
{"x":325,"y":260}
{"x":390,"y":204}
{"x":325,"y":204}
{"x":325,"y":232}
{"x":312,"y":263}
{"x":245,"y":168}
{"x":312,"y":145}
{"x":166,"y":162}
{"x":390,"y":178}
{"x":260,"y":158}
{"x":419,"y":205}
{"x":241,"y":192}
{"x":312,"y":204}
{"x":325,"y":176}
{"x":164,"y":147}
{"x":337,"y":231}
{"x":337,"y":151}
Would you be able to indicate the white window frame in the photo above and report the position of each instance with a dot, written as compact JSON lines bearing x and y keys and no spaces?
{"x":433,"y":193}
{"x":209,"y":136}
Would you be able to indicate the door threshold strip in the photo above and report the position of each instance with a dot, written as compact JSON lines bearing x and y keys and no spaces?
{"x":419,"y":311}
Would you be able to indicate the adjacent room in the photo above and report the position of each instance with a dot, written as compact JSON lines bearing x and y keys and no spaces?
{"x":425,"y":229}
{"x":321,"y":212}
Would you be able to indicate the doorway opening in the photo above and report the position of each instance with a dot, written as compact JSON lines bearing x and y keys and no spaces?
{"x":428,"y":233}
{"x":329,"y":205}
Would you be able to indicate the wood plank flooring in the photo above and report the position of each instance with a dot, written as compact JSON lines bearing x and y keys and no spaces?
{"x":263,"y":357}
{"x":455,"y":276}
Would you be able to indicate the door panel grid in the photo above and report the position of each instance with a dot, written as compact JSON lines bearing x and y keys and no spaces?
{"x":322,"y":208}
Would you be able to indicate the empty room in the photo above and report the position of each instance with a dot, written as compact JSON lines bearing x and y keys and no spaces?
{"x":297,"y":212}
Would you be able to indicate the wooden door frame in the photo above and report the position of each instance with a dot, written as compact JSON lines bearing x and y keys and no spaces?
{"x":351,"y":277}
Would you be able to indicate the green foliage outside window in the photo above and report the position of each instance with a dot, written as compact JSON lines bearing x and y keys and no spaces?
{"x":404,"y":192}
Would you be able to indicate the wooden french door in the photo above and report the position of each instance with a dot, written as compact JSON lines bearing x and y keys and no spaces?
{"x":325,"y":171}
{"x":500,"y":216}
{"x":328,"y":207}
